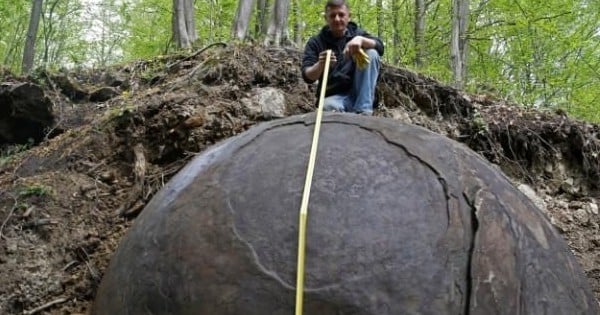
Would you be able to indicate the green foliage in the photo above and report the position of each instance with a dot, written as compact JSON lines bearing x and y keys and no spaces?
{"x":38,"y":190}
{"x":9,"y":153}
{"x":214,"y":19}
{"x":479,"y":124}
{"x":119,"y":111}
{"x":149,"y":27}
{"x":539,"y":53}
{"x":106,"y":32}
{"x":14,"y":18}
{"x":59,"y":37}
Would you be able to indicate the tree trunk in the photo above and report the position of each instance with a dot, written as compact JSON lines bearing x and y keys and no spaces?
{"x":262,"y":18}
{"x":419,"y":32}
{"x":299,"y":25}
{"x":190,"y":20}
{"x":184,"y":25}
{"x":380,"y":21}
{"x":463,"y":41}
{"x":277,"y":33}
{"x":34,"y":21}
{"x":48,"y":27}
{"x":458,"y":42}
{"x":397,"y":29}
{"x":242,"y":19}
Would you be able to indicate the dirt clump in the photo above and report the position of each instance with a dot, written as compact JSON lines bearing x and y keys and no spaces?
{"x":66,"y":203}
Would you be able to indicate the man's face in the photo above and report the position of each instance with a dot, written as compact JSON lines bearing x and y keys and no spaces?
{"x":337,"y":19}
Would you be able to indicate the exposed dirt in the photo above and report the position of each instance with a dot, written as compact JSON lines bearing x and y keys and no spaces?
{"x":66,"y":203}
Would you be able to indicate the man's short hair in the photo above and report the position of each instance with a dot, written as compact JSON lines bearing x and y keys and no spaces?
{"x":336,"y":3}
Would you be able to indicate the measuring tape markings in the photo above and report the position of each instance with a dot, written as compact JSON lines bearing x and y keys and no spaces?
{"x":305,"y":197}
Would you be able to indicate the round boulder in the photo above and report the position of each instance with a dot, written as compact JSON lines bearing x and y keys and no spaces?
{"x":400,"y":221}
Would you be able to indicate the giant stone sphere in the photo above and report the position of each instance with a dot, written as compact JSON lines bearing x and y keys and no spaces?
{"x":400,"y":221}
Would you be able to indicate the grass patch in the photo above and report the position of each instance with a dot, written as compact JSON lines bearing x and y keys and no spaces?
{"x":35,"y":190}
{"x":9,"y":153}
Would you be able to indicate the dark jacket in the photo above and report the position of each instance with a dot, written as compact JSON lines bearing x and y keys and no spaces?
{"x":340,"y":76}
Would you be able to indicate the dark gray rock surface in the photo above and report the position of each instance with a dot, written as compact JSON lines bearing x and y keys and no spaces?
{"x":103,"y":94}
{"x":26,"y":113}
{"x":401,"y":221}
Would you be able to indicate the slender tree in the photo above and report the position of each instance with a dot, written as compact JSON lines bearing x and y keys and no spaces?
{"x":380,"y":18}
{"x":262,"y":18}
{"x":458,"y":41}
{"x":278,"y":33}
{"x":109,"y":21}
{"x":396,"y":31}
{"x":299,"y":24}
{"x":61,"y":27}
{"x":34,"y":21}
{"x":184,"y":23}
{"x":419,"y":32}
{"x":49,"y":30}
{"x":239,"y":29}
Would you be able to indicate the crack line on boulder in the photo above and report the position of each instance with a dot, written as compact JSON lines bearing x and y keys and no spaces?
{"x":272,"y":274}
{"x":255,"y":257}
{"x":259,"y":132}
{"x":474,"y":204}
{"x":439,"y":176}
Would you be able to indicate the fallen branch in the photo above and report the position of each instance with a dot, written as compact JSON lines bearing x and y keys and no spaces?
{"x":196,"y":54}
{"x":69,"y":265}
{"x":83,"y":256}
{"x":10,"y":214}
{"x":45,"y":306}
{"x":133,"y":210}
{"x":38,"y":223}
{"x":28,"y":212}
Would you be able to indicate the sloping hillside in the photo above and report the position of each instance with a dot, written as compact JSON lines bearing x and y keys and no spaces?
{"x":65,"y":203}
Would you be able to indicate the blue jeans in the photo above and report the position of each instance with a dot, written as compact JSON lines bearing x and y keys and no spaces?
{"x":360,"y":98}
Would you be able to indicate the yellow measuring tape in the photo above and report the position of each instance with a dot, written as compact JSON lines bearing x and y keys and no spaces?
{"x":304,"y":206}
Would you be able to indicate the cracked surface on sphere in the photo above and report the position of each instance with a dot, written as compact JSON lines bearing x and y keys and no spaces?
{"x":400,"y":221}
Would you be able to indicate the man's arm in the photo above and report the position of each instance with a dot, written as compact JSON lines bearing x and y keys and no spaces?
{"x":313,"y":61}
{"x":313,"y":73}
{"x":310,"y":62}
{"x":365,"y":42}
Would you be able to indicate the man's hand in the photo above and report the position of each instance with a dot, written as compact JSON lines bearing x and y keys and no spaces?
{"x":323,"y":58}
{"x":353,"y":46}
{"x":357,"y":43}
{"x":315,"y":71}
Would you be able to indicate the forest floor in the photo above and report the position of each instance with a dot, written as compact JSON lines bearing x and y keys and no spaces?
{"x":66,"y":203}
